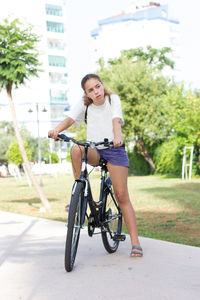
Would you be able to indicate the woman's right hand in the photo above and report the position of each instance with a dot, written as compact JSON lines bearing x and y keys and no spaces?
{"x":53,"y":134}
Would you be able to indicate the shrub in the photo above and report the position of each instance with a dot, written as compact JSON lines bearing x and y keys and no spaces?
{"x":168,"y":157}
{"x":13,"y":154}
{"x":54,"y":158}
{"x":138,"y":165}
{"x":196,"y":160}
{"x":68,"y":157}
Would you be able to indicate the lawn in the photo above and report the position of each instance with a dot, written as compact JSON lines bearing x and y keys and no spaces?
{"x":166,"y":209}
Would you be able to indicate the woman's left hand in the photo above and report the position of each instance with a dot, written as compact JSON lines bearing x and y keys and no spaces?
{"x":117,"y":142}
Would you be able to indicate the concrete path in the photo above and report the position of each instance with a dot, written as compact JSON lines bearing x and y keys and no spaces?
{"x":32,"y":266}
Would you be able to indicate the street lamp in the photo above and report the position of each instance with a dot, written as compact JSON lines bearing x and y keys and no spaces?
{"x":39,"y":144}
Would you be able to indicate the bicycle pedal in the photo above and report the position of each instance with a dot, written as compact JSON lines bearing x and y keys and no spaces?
{"x":119,"y":237}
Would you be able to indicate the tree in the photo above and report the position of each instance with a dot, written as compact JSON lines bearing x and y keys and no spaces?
{"x":13,"y":153}
{"x":54,"y":158}
{"x":6,"y":137}
{"x":7,"y":128}
{"x":184,"y":111}
{"x":80,"y":131}
{"x":33,"y":143}
{"x":155,"y":57}
{"x":19,"y":62}
{"x":5,"y":141}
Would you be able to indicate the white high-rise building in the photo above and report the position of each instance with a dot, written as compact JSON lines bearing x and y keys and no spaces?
{"x":149,"y":24}
{"x":49,"y":91}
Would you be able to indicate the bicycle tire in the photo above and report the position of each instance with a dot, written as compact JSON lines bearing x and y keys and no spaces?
{"x":74,"y":227}
{"x":112,"y":220}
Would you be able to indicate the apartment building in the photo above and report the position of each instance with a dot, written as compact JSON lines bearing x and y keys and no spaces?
{"x":137,"y":26}
{"x":48,"y":93}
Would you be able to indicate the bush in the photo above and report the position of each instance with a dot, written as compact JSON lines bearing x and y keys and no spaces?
{"x":138,"y":165}
{"x":168,"y":157}
{"x":54,"y":158}
{"x":196,"y":160}
{"x":68,"y":157}
{"x":13,"y":154}
{"x":5,"y":141}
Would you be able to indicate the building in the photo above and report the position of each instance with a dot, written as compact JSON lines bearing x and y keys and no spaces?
{"x":149,"y":24}
{"x":44,"y":97}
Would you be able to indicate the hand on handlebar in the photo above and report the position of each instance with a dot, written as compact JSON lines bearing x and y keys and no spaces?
{"x":53,"y":134}
{"x":117,"y":142}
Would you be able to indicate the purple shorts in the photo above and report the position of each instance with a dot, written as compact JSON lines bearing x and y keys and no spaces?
{"x":116,"y":156}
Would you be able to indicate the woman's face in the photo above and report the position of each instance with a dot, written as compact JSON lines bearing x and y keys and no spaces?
{"x":94,"y":90}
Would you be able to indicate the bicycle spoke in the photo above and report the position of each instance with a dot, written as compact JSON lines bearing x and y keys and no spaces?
{"x":112,"y":222}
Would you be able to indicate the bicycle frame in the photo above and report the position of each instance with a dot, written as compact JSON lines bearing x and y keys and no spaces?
{"x":88,"y":198}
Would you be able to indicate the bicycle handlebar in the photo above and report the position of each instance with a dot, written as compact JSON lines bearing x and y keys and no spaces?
{"x":91,"y":144}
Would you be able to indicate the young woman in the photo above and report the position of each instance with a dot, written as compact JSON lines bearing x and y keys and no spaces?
{"x":104,"y":120}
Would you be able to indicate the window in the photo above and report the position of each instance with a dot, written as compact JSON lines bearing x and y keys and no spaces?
{"x":54,"y":10}
{"x":55,"y":27}
{"x":57,"y":112}
{"x":57,"y":61}
{"x":55,"y":77}
{"x":58,"y":95}
{"x":56,"y":44}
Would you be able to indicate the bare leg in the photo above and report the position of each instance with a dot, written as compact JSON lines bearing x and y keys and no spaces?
{"x":77,"y":154}
{"x":119,"y":177}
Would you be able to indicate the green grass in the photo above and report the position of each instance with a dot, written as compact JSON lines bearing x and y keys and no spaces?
{"x":166,"y":208}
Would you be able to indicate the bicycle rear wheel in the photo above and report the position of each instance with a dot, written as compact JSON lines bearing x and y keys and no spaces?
{"x":74,"y":226}
{"x":112,"y":222}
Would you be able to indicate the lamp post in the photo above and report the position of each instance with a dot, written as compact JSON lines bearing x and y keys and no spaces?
{"x":39,"y":144}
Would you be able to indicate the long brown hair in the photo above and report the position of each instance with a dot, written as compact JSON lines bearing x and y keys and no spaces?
{"x":86,"y":99}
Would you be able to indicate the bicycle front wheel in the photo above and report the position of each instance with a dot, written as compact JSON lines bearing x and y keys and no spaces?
{"x":74,"y":226}
{"x":112,"y":222}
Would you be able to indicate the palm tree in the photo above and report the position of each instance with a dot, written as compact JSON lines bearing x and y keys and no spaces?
{"x":18,"y":62}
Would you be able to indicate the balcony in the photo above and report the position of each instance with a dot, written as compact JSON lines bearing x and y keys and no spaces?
{"x":54,"y":10}
{"x":57,"y":78}
{"x":57,"y":61}
{"x":57,"y":96}
{"x":56,"y":44}
{"x":55,"y":27}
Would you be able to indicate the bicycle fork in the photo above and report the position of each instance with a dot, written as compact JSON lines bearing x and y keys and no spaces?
{"x":87,"y":199}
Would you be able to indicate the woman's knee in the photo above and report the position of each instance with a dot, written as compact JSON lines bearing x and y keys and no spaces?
{"x":121,"y":195}
{"x":77,"y":152}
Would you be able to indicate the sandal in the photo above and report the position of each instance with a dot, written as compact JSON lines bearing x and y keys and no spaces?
{"x":67,"y":208}
{"x":135,"y":253}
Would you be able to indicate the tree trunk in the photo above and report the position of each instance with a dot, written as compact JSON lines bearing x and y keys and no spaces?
{"x":141,"y":147}
{"x":43,"y":198}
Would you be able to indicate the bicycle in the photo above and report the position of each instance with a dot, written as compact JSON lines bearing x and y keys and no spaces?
{"x":104,"y":213}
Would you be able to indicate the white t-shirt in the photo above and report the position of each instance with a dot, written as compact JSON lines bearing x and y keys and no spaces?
{"x":99,"y":118}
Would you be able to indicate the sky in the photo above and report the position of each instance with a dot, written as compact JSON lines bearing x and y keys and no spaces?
{"x":83,"y":16}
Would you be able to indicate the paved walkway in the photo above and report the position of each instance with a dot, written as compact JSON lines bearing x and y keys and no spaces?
{"x":32,"y":267}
